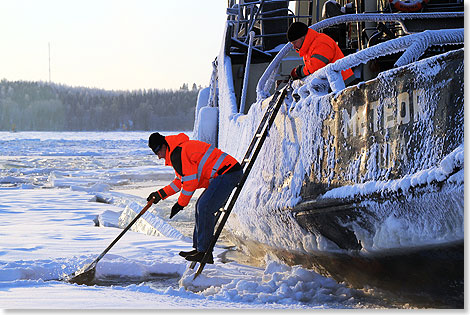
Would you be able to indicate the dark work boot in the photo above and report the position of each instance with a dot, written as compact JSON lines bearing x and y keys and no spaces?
{"x":198,"y":257}
{"x":185,"y":254}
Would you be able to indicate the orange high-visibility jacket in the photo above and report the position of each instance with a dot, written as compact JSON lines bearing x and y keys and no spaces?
{"x":318,"y":50}
{"x":195,"y":163}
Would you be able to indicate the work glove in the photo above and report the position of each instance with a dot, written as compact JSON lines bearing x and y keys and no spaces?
{"x":293,"y":74}
{"x":175,"y":209}
{"x":155,"y":195}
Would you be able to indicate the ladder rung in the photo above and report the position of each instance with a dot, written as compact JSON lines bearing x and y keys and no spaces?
{"x":258,"y":135}
{"x":247,"y":160}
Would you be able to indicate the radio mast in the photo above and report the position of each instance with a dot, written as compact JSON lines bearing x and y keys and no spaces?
{"x":49,"y":44}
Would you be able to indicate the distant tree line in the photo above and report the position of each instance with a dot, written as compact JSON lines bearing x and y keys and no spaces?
{"x":40,"y":106}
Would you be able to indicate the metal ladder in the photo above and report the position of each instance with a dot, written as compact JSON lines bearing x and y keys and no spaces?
{"x":248,"y":161}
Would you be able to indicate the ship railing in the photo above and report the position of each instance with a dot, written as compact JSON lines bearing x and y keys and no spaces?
{"x":246,"y":14}
{"x":414,"y":45}
{"x":247,"y":73}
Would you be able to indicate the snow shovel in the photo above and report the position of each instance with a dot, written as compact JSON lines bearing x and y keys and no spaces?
{"x":87,"y":273}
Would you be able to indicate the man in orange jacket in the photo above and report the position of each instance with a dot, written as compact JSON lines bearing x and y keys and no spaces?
{"x":316,"y":49}
{"x":197,"y":165}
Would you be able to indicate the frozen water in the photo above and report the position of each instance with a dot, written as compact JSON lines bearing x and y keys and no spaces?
{"x":65,"y":196}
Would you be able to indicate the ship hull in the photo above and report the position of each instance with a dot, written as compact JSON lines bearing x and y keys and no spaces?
{"x":403,"y":235}
{"x":365,"y":185}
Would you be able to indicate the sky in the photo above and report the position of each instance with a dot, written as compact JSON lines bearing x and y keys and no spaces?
{"x":111,"y":44}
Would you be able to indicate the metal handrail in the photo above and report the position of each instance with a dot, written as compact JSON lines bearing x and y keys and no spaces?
{"x":266,"y":80}
{"x":257,"y":17}
{"x":247,"y":73}
{"x":253,"y":20}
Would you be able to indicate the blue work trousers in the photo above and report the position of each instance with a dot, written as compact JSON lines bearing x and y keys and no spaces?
{"x":211,"y":200}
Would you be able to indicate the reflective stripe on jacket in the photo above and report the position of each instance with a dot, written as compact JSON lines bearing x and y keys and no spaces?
{"x":195,"y":163}
{"x":317,"y":51}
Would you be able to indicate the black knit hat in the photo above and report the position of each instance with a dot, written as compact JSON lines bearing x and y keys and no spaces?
{"x":155,"y":141}
{"x":296,"y":30}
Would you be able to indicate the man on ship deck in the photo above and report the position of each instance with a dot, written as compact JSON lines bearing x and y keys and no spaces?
{"x":317,"y":50}
{"x":197,"y":165}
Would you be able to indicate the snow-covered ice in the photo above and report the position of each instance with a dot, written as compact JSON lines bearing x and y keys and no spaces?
{"x":65,"y":196}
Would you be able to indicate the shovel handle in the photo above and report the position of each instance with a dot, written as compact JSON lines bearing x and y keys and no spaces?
{"x":147,"y":206}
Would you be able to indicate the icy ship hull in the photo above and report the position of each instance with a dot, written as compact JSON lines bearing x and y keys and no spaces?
{"x":347,"y":166}
{"x":371,"y":135}
{"x":383,"y":194}
{"x":365,"y":183}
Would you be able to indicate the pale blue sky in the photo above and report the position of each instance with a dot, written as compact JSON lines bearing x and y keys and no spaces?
{"x":111,"y":44}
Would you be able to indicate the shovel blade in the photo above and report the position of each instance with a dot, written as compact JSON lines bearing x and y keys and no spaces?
{"x":84,"y":276}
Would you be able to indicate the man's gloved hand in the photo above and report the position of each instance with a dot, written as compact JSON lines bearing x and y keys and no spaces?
{"x":297,"y":73}
{"x":155,"y":195}
{"x":175,"y":209}
{"x":293,"y":74}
